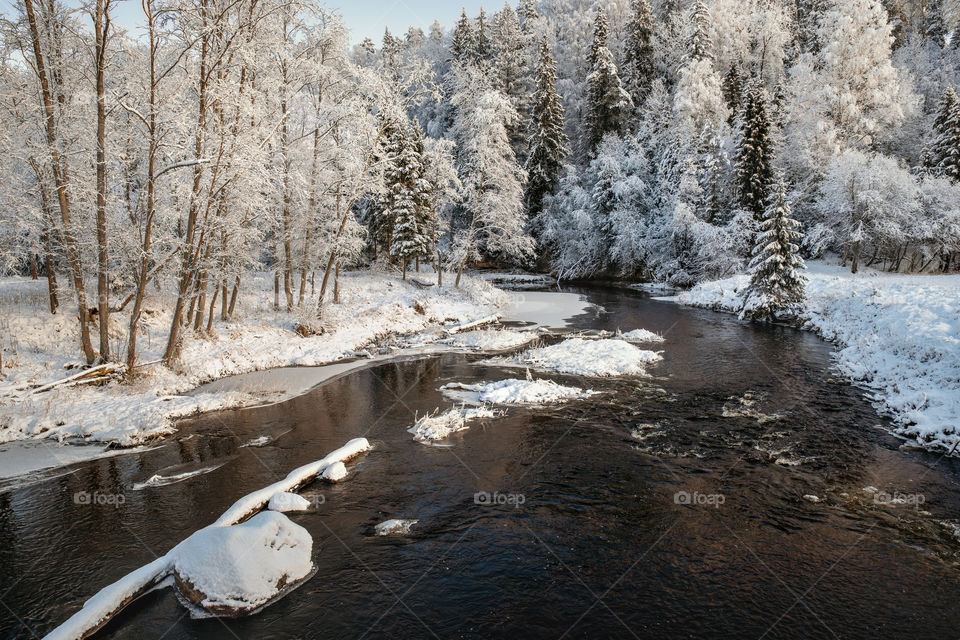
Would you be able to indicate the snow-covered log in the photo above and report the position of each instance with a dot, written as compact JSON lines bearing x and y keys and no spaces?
{"x":111,"y":600}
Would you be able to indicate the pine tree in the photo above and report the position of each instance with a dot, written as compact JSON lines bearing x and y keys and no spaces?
{"x":754,"y":154}
{"x":934,"y":27}
{"x":701,"y":45}
{"x":776,"y":270}
{"x":638,"y":57}
{"x":609,"y":101}
{"x":942,"y":155}
{"x":548,"y":142}
{"x":463,"y":49}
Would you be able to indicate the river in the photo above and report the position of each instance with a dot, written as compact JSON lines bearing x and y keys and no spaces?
{"x":738,"y":492}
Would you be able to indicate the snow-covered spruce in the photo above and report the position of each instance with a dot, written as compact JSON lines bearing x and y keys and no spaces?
{"x":777,"y":283}
{"x":577,"y":356}
{"x":110,"y":600}
{"x":439,"y":426}
{"x":514,"y":392}
{"x":895,"y":334}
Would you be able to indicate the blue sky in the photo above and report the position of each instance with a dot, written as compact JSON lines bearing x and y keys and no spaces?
{"x":365,"y":18}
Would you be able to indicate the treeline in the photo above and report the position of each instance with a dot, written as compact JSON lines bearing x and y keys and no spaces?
{"x":655,"y":141}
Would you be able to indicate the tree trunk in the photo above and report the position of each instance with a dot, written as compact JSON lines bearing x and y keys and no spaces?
{"x":336,"y":285}
{"x":60,"y":177}
{"x":101,"y":25}
{"x":34,"y":269}
{"x":233,"y":296}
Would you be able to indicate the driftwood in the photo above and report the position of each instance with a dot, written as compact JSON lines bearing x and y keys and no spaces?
{"x":93,"y":375}
{"x":457,"y":328}
{"x":420,"y":284}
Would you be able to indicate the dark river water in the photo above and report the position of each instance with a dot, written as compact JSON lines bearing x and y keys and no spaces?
{"x":644,"y":512}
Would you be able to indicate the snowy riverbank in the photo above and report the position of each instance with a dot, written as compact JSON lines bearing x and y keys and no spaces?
{"x":38,"y":346}
{"x":896,"y":335}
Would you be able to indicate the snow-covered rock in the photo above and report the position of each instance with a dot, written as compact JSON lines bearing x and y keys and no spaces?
{"x":589,"y":358}
{"x":286,"y":501}
{"x":438,"y":426}
{"x":515,"y":392}
{"x":394,"y":527}
{"x":231,"y":571}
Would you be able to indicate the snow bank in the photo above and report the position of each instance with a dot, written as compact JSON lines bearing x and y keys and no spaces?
{"x":515,"y":392}
{"x":40,"y":345}
{"x":234,"y":570}
{"x":898,"y":336}
{"x":641,"y":336}
{"x":286,"y":502}
{"x":439,"y":426}
{"x":98,"y":610}
{"x":394,"y":527}
{"x":588,"y":358}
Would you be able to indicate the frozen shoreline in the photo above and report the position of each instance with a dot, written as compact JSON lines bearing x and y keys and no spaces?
{"x":375,"y":307}
{"x":897,"y":336}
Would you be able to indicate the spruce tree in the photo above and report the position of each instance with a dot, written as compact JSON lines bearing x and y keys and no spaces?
{"x":548,"y":142}
{"x":701,"y":45}
{"x":942,"y":155}
{"x":754,"y":154}
{"x":464,"y":46}
{"x":934,"y":27}
{"x":513,"y":76}
{"x":484,"y":44}
{"x":733,"y":91}
{"x":609,"y":101}
{"x":527,"y":14}
{"x":638,"y":57}
{"x":776,"y":269}
{"x":406,"y":198}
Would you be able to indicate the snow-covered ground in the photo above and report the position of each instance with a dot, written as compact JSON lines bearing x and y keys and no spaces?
{"x":38,"y":346}
{"x":897,"y":335}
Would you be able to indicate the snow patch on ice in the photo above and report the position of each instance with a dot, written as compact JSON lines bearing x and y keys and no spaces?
{"x":490,"y":339}
{"x":596,"y":358}
{"x":158,"y":480}
{"x":437,"y":426}
{"x":515,"y":392}
{"x":641,"y":336}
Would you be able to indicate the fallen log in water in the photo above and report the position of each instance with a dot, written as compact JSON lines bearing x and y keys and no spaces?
{"x":112,"y":599}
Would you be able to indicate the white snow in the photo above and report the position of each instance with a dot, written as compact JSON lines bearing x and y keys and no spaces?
{"x":514,"y":392}
{"x":286,"y":501}
{"x":335,"y":472}
{"x":897,"y":335}
{"x":596,"y":358}
{"x":37,"y":346}
{"x":394,"y":527}
{"x":243,"y":566}
{"x":641,"y":336}
{"x":437,"y":426}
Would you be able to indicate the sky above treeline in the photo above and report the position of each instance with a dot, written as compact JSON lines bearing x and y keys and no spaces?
{"x":365,"y":18}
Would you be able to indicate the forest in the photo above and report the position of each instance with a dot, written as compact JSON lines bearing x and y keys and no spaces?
{"x":668,"y":142}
